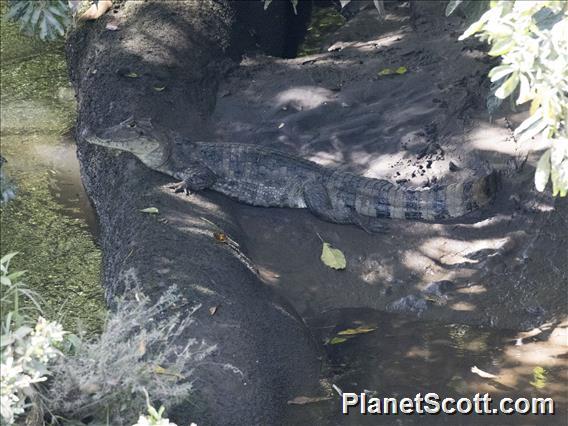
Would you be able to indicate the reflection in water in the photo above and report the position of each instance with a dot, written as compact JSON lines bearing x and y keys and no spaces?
{"x":404,"y":356}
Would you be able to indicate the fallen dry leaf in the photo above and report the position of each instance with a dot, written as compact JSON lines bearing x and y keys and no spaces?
{"x":332,"y":257}
{"x":213,"y":310}
{"x":482,"y":373}
{"x":150,"y":210}
{"x":303,"y":400}
{"x":220,"y":237}
{"x":337,"y":340}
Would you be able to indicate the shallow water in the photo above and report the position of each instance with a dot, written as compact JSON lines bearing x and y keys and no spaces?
{"x":49,"y":222}
{"x":403,"y":356}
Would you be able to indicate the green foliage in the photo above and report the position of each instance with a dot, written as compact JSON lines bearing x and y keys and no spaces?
{"x":18,"y":303}
{"x":471,"y":9}
{"x":28,"y":344}
{"x":48,"y":19}
{"x":139,"y":351}
{"x":103,"y":377}
{"x":531,"y":37}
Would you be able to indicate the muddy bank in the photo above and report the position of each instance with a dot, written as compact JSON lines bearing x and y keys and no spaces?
{"x":505,"y":264}
{"x":164,"y":63}
{"x":502,"y":266}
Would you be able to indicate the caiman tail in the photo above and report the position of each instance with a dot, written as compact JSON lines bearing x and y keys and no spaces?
{"x":433,"y":204}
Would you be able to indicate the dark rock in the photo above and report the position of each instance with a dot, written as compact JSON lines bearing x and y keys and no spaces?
{"x":265,"y":353}
{"x":408,"y":304}
{"x":439,"y":288}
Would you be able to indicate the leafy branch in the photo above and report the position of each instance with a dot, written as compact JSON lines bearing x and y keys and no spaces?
{"x":531,"y":37}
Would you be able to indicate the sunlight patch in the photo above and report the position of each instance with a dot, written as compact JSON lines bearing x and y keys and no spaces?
{"x":304,"y":97}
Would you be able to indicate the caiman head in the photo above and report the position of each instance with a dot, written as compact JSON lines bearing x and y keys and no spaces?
{"x":138,"y":137}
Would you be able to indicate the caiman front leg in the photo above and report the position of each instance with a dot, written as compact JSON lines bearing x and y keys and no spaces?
{"x":195,"y":177}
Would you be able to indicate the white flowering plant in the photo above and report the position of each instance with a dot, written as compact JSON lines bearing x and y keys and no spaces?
{"x":26,"y":353}
{"x":531,"y":37}
{"x":154,"y":417}
{"x":26,"y":348}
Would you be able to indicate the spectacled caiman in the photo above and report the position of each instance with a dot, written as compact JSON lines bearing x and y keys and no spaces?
{"x":266,"y":177}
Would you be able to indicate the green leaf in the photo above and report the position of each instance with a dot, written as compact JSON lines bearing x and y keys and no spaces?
{"x":525,"y":90}
{"x":354,"y":331}
{"x":333,"y":257}
{"x":150,"y":210}
{"x":499,"y":72}
{"x":452,"y":6}
{"x":6,"y":258}
{"x":153,"y":413}
{"x":542,"y":174}
{"x":501,"y":47}
{"x":344,"y":3}
{"x":35,"y":16}
{"x":391,"y":71}
{"x":386,"y":71}
{"x":17,"y":9}
{"x":507,"y":88}
{"x":132,"y":75}
{"x":55,"y":23}
{"x":43,"y":30}
{"x":473,"y":28}
{"x":159,"y":88}
{"x":26,"y":17}
{"x":539,"y":377}
{"x":15,"y":275}
{"x":533,"y":130}
{"x":337,"y":340}
{"x":529,"y":122}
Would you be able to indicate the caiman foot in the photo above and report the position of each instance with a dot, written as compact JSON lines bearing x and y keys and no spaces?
{"x":193,"y":178}
{"x":180,"y":187}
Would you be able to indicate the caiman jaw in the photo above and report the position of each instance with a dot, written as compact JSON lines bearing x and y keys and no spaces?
{"x":138,"y":138}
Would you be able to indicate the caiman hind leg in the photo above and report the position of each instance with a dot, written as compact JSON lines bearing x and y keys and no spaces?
{"x":194,"y":177}
{"x":318,"y":202}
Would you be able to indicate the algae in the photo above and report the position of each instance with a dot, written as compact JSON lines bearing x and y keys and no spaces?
{"x":46,"y":222}
{"x":324,"y":21}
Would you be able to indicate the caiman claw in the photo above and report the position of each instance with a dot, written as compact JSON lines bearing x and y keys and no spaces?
{"x":180,"y":187}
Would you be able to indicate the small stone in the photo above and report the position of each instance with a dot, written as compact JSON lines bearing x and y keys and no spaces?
{"x":439,"y":288}
{"x":409,"y":303}
{"x":453,"y":167}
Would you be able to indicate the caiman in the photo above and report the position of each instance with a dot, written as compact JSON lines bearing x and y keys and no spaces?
{"x":267,"y":177}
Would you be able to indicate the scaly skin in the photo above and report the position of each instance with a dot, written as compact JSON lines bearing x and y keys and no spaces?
{"x":269,"y":178}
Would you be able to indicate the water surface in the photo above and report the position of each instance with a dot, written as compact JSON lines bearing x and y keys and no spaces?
{"x":49,"y":222}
